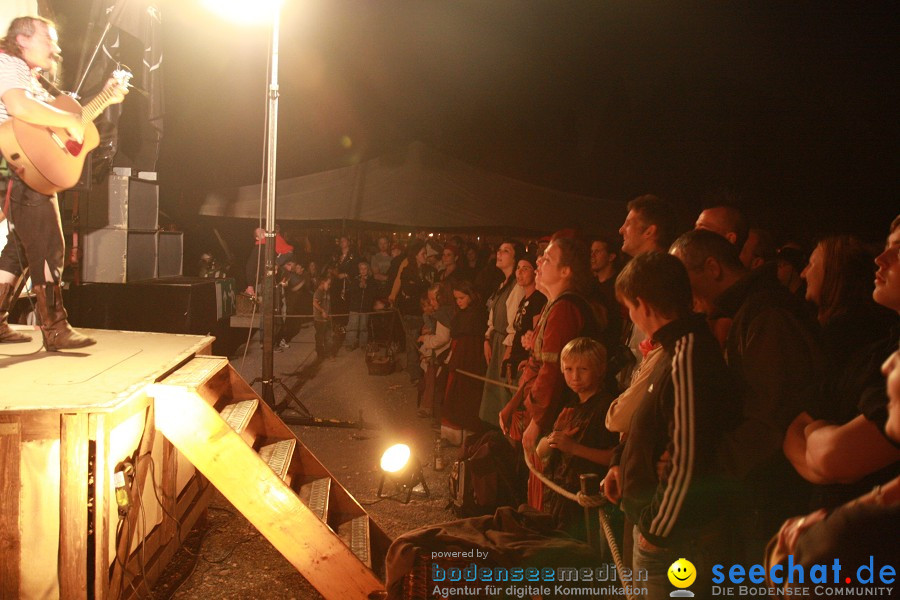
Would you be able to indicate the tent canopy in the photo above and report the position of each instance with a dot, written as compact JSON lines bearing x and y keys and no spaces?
{"x":420,"y":187}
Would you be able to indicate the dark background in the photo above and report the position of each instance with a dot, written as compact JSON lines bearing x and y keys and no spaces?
{"x":791,"y":106}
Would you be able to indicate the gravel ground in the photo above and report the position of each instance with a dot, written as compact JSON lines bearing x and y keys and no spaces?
{"x":225,"y":557}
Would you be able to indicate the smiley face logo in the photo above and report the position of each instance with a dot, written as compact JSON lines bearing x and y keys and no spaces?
{"x":682,"y":573}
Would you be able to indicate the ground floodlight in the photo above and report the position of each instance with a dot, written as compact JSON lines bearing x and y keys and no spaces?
{"x":395,"y":458}
{"x":402,"y":468}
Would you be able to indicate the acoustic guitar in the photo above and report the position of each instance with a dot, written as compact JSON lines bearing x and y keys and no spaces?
{"x":48,"y":159}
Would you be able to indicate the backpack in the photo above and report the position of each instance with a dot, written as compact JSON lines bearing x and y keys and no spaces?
{"x":481,"y":480}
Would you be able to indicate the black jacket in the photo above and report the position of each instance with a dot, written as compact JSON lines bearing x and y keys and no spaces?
{"x":689,"y":404}
{"x":773,"y":356}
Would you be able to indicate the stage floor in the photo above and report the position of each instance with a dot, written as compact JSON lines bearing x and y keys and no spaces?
{"x":101,"y":376}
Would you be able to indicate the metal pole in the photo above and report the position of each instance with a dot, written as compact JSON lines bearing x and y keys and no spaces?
{"x":268,"y":305}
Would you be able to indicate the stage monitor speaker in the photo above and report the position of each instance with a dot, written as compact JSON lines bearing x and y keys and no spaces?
{"x":143,"y":204}
{"x":171,"y":253}
{"x":118,"y":255}
{"x":124,"y":202}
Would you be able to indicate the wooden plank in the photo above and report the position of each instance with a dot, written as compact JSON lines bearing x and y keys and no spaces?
{"x":10,"y":482}
{"x":99,"y":425}
{"x":73,"y":512}
{"x":168,"y":492}
{"x":104,"y":377}
{"x":36,"y":426}
{"x":272,"y":507}
{"x":196,"y":372}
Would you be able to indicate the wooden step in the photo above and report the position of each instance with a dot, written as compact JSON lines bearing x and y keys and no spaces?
{"x":193,"y":374}
{"x":278,"y":457}
{"x":238,"y":414}
{"x":355,"y":533}
{"x":315,"y":495}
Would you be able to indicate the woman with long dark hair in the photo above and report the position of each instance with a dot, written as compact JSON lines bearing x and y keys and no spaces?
{"x":498,"y":338}
{"x":463,"y":395}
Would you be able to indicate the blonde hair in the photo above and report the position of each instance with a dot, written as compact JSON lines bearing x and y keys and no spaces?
{"x":588,"y":349}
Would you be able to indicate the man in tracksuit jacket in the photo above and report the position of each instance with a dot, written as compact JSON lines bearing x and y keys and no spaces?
{"x":665,"y":472}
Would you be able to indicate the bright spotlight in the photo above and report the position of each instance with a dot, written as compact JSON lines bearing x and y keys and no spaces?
{"x":400,"y":466}
{"x":241,"y":11}
{"x":395,"y":458}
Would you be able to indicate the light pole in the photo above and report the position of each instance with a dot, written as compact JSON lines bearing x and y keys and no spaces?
{"x":268,"y":314}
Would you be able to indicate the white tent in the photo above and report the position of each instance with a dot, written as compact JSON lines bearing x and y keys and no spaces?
{"x":420,"y":187}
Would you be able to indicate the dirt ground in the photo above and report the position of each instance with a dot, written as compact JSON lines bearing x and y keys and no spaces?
{"x":226,"y":557}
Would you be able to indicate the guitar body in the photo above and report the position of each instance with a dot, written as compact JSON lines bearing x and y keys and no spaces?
{"x":46,"y":158}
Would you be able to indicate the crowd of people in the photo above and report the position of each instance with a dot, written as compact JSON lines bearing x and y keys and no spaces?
{"x":719,"y":385}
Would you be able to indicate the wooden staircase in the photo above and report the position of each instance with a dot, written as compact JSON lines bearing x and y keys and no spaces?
{"x":219,"y":423}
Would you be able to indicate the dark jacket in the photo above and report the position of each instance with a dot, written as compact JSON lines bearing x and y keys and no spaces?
{"x":689,"y":405}
{"x":359,"y":298}
{"x":414,"y":281}
{"x":773,"y":356}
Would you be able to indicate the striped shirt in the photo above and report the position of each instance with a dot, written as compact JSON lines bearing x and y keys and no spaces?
{"x":15,"y":74}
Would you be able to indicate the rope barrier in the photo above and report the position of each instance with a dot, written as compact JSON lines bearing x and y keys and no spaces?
{"x":581,"y":499}
{"x":487,"y":380}
{"x":587,"y":502}
{"x":310,"y":316}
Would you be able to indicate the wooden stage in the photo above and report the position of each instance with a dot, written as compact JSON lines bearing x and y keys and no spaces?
{"x":68,"y":422}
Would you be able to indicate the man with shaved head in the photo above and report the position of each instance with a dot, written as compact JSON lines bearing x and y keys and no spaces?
{"x":774,"y":357}
{"x":726,"y":220}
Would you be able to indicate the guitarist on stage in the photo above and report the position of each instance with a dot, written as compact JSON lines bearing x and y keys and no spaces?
{"x":30,"y":46}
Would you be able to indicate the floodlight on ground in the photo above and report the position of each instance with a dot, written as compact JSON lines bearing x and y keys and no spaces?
{"x":395,"y":458}
{"x":259,"y":12}
{"x":403,"y":469}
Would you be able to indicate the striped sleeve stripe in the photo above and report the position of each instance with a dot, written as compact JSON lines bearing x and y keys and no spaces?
{"x":682,"y":437}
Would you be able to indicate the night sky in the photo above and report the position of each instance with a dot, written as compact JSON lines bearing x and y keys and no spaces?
{"x":794,"y":107}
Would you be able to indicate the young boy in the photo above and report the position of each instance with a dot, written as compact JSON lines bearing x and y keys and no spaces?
{"x":322,"y":317}
{"x":579,"y":442}
{"x":679,"y":508}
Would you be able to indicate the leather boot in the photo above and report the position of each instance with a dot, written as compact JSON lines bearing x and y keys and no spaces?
{"x":58,"y":334}
{"x":7,"y":335}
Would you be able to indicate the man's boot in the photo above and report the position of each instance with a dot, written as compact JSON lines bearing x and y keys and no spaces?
{"x":7,"y":335}
{"x":58,"y":334}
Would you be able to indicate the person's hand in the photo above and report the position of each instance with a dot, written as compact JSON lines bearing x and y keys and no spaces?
{"x":75,"y":127}
{"x":117,"y":88}
{"x":790,"y":533}
{"x":487,"y":351}
{"x":810,"y":425}
{"x":508,"y":353}
{"x":563,"y":440}
{"x":506,"y":416}
{"x":420,"y":339}
{"x":612,"y":485}
{"x":528,"y":339}
{"x":530,"y":436}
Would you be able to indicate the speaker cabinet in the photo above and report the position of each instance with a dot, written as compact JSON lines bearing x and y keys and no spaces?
{"x":171,"y":252}
{"x":118,"y":255}
{"x":122,"y":203}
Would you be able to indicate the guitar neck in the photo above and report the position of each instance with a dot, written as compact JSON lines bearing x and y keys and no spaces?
{"x":92,"y":109}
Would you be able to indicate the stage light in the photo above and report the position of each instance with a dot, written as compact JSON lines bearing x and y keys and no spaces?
{"x":402,"y":468}
{"x":245,"y":13}
{"x":395,"y":458}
